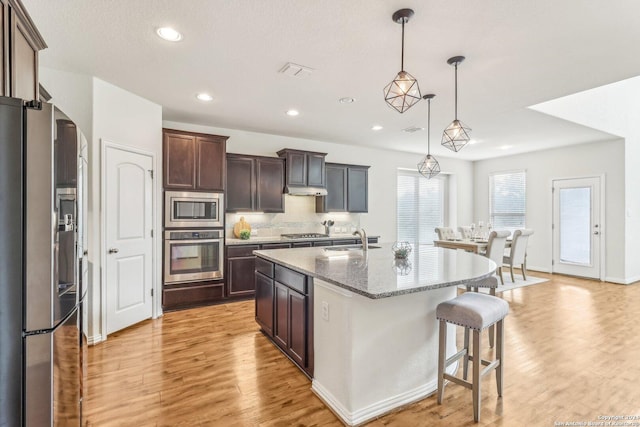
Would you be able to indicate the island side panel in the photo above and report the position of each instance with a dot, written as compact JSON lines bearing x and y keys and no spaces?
{"x":374,"y":355}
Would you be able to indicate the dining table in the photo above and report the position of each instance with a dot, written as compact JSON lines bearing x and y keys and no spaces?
{"x":477,"y":246}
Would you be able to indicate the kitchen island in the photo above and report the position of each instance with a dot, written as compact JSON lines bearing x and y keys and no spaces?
{"x":360,"y":323}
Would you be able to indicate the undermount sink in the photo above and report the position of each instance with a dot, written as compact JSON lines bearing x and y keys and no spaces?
{"x":349,"y":248}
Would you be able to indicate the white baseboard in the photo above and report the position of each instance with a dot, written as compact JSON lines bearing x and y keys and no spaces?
{"x":622,"y":281}
{"x":368,"y":413}
{"x":381,"y":407}
{"x":94,"y":339}
{"x":534,"y":268}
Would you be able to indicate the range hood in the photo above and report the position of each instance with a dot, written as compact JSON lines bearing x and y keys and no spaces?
{"x":305,"y":173}
{"x":295,"y":190}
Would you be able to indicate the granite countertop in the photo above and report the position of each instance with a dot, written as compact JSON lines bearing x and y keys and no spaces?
{"x":278,"y":239}
{"x":376,"y":274}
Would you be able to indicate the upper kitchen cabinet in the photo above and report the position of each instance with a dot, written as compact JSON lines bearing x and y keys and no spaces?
{"x":193,"y":161}
{"x":304,"y":168}
{"x":20,"y":43}
{"x":255,"y":183}
{"x":347,"y":189}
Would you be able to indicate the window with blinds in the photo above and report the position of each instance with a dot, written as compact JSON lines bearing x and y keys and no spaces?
{"x":421,"y":206}
{"x":507,"y":200}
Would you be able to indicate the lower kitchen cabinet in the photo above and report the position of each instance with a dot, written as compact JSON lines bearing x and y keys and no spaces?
{"x":290,"y":329}
{"x":187,"y":295}
{"x":264,"y":302}
{"x":240,"y":266}
{"x":291,"y":297}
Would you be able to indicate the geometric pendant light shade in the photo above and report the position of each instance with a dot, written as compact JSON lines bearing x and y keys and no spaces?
{"x":429,"y":166}
{"x":403,"y":91}
{"x":456,"y":135}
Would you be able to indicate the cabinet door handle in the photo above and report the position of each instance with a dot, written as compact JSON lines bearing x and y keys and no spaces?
{"x":113,"y":250}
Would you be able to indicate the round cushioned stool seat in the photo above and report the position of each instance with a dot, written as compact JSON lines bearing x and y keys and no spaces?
{"x":473,"y":310}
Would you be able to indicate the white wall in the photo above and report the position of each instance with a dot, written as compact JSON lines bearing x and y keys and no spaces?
{"x":542,"y":167}
{"x":125,"y":119}
{"x":381,"y":219}
{"x":613,"y":108}
{"x":104,"y":111}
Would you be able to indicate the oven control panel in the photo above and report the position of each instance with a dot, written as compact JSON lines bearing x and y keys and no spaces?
{"x":193,"y":235}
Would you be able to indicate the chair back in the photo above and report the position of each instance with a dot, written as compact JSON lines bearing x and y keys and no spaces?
{"x":445,"y":233}
{"x":465,"y":231}
{"x":519,"y":246}
{"x":496,"y":245}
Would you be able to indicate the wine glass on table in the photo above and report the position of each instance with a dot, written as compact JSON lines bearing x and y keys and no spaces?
{"x":473,"y":229}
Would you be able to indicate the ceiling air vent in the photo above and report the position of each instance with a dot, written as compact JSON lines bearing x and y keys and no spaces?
{"x":412,"y":129}
{"x":295,"y":70}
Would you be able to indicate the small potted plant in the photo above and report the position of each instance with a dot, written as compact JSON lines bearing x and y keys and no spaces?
{"x":245,"y":234}
{"x":401,"y":250}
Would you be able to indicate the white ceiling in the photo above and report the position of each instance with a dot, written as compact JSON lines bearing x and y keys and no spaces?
{"x":519,"y":53}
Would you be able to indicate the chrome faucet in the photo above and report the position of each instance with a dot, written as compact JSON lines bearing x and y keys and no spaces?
{"x":363,"y":238}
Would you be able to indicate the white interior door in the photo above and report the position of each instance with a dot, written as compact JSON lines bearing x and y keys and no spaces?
{"x":128,"y":214}
{"x":577,"y":230}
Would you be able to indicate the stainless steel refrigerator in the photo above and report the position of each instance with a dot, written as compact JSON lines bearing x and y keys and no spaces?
{"x":42,"y":344}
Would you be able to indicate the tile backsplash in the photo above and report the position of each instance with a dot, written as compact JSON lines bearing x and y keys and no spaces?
{"x":299,"y":217}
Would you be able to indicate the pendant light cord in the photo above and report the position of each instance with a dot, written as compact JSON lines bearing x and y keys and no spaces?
{"x":456,"y":90}
{"x":429,"y":127}
{"x":402,"y":51}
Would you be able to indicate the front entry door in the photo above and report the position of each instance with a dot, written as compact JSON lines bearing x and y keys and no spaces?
{"x":577,"y":230}
{"x":128,"y":190}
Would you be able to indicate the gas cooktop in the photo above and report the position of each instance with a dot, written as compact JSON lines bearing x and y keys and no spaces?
{"x":303,"y":235}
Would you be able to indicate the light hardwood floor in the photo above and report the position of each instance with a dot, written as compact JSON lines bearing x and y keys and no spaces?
{"x":572,"y":354}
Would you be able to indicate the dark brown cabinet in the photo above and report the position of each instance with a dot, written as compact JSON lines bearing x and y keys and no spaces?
{"x":187,"y":295}
{"x":241,"y":264}
{"x":193,"y":161}
{"x":304,"y":168}
{"x":255,"y":183}
{"x":20,"y":43}
{"x":347,"y":189}
{"x":265,"y":293}
{"x":357,"y":189}
{"x":240,"y":270}
{"x":287,"y":321}
{"x":241,"y":183}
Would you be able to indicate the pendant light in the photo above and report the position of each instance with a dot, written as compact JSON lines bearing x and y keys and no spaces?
{"x":456,"y":135}
{"x":403,"y":91}
{"x":429,"y":166}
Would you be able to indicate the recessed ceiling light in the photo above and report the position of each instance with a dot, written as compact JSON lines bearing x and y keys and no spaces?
{"x":292,"y":113}
{"x":346,"y":100}
{"x":505,"y":147}
{"x":204,"y":97}
{"x":413,"y":129}
{"x":169,"y":34}
{"x":376,"y":127}
{"x":474,"y":141}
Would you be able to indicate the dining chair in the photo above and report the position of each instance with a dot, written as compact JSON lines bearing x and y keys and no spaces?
{"x":495,"y":249}
{"x":518,"y":253}
{"x":445,"y":233}
{"x":465,"y":232}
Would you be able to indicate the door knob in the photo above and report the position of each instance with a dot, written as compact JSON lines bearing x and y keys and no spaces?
{"x":113,"y":250}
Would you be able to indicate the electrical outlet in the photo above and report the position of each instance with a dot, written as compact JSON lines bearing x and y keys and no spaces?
{"x":254,"y":232}
{"x":325,"y":310}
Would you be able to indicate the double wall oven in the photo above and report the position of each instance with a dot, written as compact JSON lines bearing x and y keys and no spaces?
{"x":193,"y":237}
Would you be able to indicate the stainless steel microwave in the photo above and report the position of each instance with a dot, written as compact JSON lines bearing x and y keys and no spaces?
{"x":191,"y":210}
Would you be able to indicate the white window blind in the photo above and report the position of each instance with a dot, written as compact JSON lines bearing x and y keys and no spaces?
{"x":421,"y":206}
{"x":507,"y":200}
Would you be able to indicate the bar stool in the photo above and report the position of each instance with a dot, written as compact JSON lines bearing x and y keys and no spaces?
{"x":472,"y":311}
{"x":491,"y":283}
